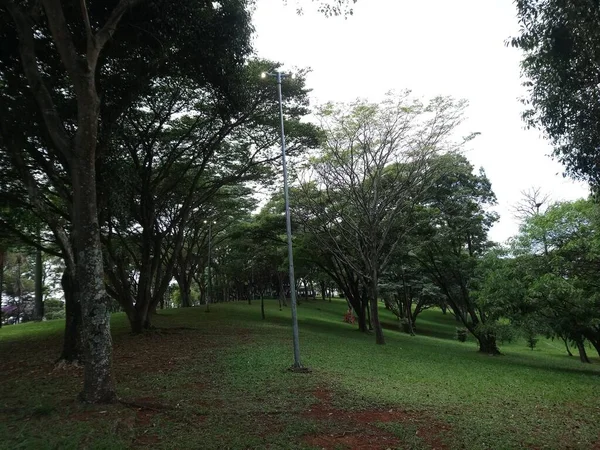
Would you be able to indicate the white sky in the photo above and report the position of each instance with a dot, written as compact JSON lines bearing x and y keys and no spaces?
{"x":432,"y":47}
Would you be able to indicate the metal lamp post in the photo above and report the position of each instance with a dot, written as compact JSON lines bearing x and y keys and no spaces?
{"x":209,"y":287}
{"x":297,"y":364}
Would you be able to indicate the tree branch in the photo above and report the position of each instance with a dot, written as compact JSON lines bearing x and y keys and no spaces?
{"x":53,"y":122}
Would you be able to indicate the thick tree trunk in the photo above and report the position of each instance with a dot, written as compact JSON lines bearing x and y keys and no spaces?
{"x":262,"y":305}
{"x":362,"y":321}
{"x":38,"y":308}
{"x":71,"y":351}
{"x":323,"y":290}
{"x":139,"y":321}
{"x":594,"y":338}
{"x":185,"y":291}
{"x":487,"y":344}
{"x":98,"y":385}
{"x":583,"y":357}
{"x":365,"y":312}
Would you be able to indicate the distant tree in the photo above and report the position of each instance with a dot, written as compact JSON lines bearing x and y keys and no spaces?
{"x":19,"y":286}
{"x":546,"y":282}
{"x":54,"y":309}
{"x":571,"y":233}
{"x":533,"y":201}
{"x":452,"y":233}
{"x":375,"y":166}
{"x":179,"y":149}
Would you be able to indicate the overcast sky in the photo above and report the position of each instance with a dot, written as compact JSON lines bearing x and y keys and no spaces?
{"x":432,"y":47}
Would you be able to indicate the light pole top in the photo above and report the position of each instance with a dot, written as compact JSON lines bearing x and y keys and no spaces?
{"x":277,"y":74}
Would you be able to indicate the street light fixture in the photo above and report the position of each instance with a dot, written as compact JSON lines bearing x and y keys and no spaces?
{"x":209,"y":287}
{"x":297,"y":364}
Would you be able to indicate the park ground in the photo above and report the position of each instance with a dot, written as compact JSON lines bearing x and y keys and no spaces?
{"x":219,"y":380}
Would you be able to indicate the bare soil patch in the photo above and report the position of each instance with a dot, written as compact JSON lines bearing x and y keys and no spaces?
{"x":358,"y":429}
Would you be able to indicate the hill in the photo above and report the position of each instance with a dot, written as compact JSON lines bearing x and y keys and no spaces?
{"x":219,"y":380}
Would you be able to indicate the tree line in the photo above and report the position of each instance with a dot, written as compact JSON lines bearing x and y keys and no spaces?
{"x":132,"y":132}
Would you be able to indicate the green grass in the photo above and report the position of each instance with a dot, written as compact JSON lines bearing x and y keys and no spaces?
{"x":219,"y":380}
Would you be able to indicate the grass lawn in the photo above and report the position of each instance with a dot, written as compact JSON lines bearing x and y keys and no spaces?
{"x":218,"y":380}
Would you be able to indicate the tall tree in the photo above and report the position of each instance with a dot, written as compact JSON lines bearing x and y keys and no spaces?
{"x":452,"y":238}
{"x":561,"y":44}
{"x":180,"y":148}
{"x":78,"y":66}
{"x":376,"y":164}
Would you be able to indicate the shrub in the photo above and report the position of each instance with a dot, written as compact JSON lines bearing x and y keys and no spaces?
{"x":532,"y":341}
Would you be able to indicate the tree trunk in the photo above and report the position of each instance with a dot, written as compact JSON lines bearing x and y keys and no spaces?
{"x":98,"y":385}
{"x":596,"y":344}
{"x":567,"y":346}
{"x":1,"y":281}
{"x":487,"y":344}
{"x":323,"y":290}
{"x":140,"y":320}
{"x":262,"y":305}
{"x":184,"y":291}
{"x":362,"y":320}
{"x":305,"y":289}
{"x":38,"y":309}
{"x":379,"y":339}
{"x":281,"y":290}
{"x":583,"y":357}
{"x":594,"y":338}
{"x":71,"y":351}
{"x":409,"y":317}
{"x":368,"y":314}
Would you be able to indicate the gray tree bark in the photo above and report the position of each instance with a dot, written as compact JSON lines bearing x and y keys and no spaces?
{"x":38,"y":310}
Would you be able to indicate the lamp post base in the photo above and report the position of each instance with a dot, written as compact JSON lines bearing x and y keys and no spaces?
{"x":299,"y":369}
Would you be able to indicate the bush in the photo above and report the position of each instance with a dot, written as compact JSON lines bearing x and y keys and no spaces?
{"x":54,"y":309}
{"x":531,"y":341}
{"x":461,"y":334}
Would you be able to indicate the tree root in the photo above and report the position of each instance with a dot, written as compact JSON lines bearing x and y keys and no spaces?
{"x":65,"y":364}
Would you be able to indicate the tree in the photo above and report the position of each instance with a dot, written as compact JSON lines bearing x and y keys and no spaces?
{"x":452,"y":234}
{"x":546,"y":281}
{"x":566,"y":241}
{"x":532,"y":201}
{"x":376,"y":164}
{"x":405,"y":284}
{"x":80,"y":67}
{"x":561,"y":45}
{"x":180,"y":150}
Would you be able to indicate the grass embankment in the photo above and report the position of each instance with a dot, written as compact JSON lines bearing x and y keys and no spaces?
{"x":219,"y":380}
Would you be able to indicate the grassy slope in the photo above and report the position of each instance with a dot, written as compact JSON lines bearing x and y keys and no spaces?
{"x":218,"y":380}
